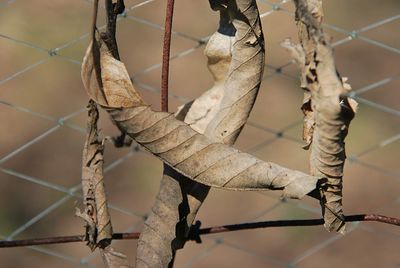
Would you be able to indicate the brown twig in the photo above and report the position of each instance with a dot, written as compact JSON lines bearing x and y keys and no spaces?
{"x":112,"y":10}
{"x":166,"y":55}
{"x":94,"y":18}
{"x":196,"y":231}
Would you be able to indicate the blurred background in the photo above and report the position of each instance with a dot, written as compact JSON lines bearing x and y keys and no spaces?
{"x":43,"y":119}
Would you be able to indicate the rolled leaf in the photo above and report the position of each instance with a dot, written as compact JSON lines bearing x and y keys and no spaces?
{"x":327,"y":110}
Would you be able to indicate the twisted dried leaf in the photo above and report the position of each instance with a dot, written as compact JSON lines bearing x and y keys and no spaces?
{"x":245,"y":73}
{"x":180,"y":198}
{"x":110,"y":84}
{"x":196,"y":156}
{"x":193,"y":155}
{"x":334,"y":113}
{"x":96,"y":215}
{"x":97,"y":80}
{"x":327,"y":111}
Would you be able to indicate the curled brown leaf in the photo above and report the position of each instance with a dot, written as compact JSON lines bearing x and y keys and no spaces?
{"x":95,"y":214}
{"x":327,"y":110}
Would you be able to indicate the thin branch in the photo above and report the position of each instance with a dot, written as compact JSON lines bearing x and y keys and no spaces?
{"x":196,"y":231}
{"x":94,"y":18}
{"x":112,"y":10}
{"x":166,"y":55}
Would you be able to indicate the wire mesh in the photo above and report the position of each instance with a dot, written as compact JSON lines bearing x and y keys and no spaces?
{"x":43,"y":124}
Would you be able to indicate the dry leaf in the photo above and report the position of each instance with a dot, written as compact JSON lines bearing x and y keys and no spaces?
{"x":115,"y":89}
{"x":177,"y":191}
{"x":188,"y":153}
{"x":327,"y":111}
{"x":180,"y":198}
{"x":96,"y":215}
{"x":199,"y":158}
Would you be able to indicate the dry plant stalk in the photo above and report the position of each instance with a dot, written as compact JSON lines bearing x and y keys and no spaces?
{"x":327,"y":110}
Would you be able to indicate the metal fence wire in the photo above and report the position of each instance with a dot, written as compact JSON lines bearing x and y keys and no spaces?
{"x":42,"y":111}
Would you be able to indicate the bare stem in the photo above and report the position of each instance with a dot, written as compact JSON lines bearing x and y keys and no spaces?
{"x":166,"y":55}
{"x":196,"y":231}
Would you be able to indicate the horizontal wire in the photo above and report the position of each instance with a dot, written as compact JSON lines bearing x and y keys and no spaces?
{"x":195,"y":233}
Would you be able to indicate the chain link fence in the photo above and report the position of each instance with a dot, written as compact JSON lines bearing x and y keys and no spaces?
{"x":42,"y":111}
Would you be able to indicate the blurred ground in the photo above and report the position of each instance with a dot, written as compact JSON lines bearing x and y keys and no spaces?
{"x":43,"y":119}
